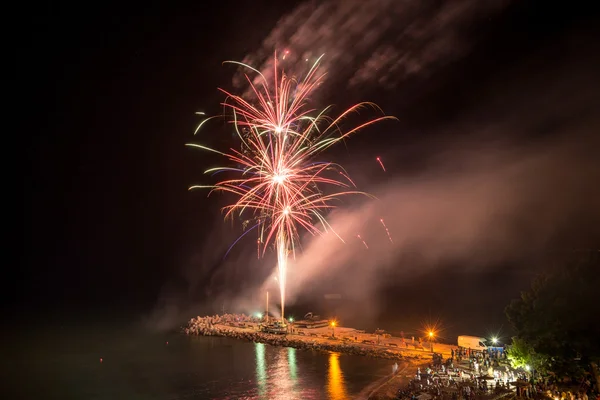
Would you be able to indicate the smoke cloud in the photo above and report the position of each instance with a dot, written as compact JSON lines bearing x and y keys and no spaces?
{"x":499,"y":205}
{"x":514,"y":175}
{"x":382,"y":42}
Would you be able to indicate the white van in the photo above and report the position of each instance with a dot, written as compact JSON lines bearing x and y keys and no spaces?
{"x":472,"y":342}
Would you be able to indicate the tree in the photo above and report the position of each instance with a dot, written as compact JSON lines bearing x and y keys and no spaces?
{"x":557,"y":321}
{"x":522,"y":355}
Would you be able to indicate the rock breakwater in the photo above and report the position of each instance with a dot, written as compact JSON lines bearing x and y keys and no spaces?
{"x":243,"y":327}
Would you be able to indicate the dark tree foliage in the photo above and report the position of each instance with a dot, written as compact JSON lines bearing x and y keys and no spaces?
{"x":558,"y":320}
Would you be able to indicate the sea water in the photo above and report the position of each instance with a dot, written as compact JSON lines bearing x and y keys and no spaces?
{"x":108,"y":363}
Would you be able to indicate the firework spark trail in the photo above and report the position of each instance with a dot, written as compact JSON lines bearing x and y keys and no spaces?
{"x":381,"y":163}
{"x":363,"y":242}
{"x":386,"y":230}
{"x":238,"y":239}
{"x":277,"y":180}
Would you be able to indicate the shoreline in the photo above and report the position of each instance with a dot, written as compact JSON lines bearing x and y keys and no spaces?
{"x":307,"y":339}
{"x":438,"y":378}
{"x":302,"y":344}
{"x":242,"y":327}
{"x":388,"y":386}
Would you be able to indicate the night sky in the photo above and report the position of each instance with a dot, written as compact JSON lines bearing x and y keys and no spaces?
{"x":108,"y":100}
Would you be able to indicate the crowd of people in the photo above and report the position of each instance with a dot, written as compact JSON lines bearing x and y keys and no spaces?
{"x":549,"y":387}
{"x":451,"y":379}
{"x":470,"y":374}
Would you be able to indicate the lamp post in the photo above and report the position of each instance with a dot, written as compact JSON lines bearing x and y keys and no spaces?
{"x":333,"y":328}
{"x":282,"y":317}
{"x":431,"y":334}
{"x":267,"y":309}
{"x":531,"y":372}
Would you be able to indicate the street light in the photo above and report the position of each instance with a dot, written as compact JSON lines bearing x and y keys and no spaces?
{"x":431,"y":335}
{"x":532,"y":371}
{"x":333,"y":328}
{"x":495,"y":340}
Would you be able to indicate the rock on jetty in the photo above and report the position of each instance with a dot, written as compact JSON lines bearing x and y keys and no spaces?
{"x":240,"y":326}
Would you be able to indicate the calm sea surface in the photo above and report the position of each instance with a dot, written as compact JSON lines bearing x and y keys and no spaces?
{"x":65,"y":364}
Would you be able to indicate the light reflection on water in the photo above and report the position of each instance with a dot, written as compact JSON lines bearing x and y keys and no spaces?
{"x":261,"y":368}
{"x":277,"y":376}
{"x":283,"y":386}
{"x":142,"y":365}
{"x":292,"y":362}
{"x":336,"y":386}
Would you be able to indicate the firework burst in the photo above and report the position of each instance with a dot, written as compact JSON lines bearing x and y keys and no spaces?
{"x":278,"y":183}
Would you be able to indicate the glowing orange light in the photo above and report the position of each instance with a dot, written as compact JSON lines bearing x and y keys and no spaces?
{"x":336,"y":384}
